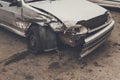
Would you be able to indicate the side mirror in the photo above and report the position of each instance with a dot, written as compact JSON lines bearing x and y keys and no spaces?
{"x":16,"y":3}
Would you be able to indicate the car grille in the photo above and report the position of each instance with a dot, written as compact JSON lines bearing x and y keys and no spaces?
{"x":95,"y":22}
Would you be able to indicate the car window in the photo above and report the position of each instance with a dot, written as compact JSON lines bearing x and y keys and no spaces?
{"x":9,"y":0}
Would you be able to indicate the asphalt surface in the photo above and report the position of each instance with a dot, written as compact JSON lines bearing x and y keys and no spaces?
{"x":16,"y":63}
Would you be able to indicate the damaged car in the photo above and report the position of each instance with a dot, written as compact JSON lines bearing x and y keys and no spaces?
{"x":46,"y":22}
{"x":107,"y":3}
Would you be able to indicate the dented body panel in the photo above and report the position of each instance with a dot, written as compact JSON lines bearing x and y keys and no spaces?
{"x":75,"y":22}
{"x":70,"y":11}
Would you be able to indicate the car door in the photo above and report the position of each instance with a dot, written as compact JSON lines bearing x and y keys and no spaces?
{"x":10,"y":15}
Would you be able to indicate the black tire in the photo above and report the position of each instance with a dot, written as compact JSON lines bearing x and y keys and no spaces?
{"x":40,"y":38}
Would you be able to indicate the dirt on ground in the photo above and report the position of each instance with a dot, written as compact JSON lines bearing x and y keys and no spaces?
{"x":16,"y":63}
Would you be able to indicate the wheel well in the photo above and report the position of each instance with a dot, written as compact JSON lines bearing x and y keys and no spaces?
{"x":36,"y":24}
{"x":50,"y":40}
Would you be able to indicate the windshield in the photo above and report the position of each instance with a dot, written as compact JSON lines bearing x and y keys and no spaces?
{"x":28,"y":1}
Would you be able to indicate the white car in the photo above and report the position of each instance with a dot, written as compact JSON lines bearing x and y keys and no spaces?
{"x":46,"y":22}
{"x":107,"y":3}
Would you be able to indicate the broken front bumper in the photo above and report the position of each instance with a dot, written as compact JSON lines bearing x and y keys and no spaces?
{"x":95,"y":40}
{"x":90,"y":41}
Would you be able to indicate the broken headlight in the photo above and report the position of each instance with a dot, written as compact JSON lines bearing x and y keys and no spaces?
{"x":77,"y":30}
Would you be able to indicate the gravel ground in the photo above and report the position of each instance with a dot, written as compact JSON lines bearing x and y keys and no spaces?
{"x":17,"y":64}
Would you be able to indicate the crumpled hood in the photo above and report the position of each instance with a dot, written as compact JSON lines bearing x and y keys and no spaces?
{"x":70,"y":11}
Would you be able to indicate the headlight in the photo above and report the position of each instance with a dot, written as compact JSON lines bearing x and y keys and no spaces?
{"x":81,"y":30}
{"x":57,"y":26}
{"x":78,"y":29}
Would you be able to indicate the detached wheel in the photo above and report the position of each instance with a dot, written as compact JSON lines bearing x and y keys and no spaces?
{"x":40,"y":38}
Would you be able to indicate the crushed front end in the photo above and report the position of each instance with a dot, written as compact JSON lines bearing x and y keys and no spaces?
{"x":88,"y":34}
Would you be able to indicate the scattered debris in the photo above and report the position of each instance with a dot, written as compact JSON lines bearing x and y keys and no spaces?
{"x":108,"y":55}
{"x":4,"y":70}
{"x":59,"y":79}
{"x":116,"y":44}
{"x":83,"y":63}
{"x":29,"y":77}
{"x":90,"y":70}
{"x":54,"y":65}
{"x":97,"y":65}
{"x":100,"y":70}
